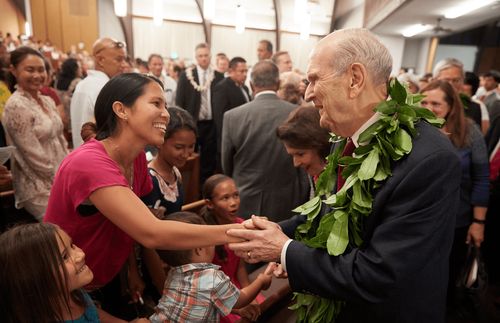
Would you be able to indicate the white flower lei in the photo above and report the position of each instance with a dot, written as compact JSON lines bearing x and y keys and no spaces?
{"x":198,"y":87}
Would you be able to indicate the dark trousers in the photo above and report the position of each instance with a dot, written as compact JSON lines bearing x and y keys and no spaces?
{"x":207,"y":147}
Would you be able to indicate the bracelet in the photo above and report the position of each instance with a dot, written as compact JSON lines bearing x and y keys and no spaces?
{"x":474,"y":220}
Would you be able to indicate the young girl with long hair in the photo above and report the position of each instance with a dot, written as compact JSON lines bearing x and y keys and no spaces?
{"x":41,"y":278}
{"x":180,"y":139}
{"x":223,"y":202}
{"x":167,"y":195}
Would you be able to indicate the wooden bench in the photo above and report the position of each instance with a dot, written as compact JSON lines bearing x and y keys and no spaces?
{"x":194,"y":206}
{"x":278,"y":298}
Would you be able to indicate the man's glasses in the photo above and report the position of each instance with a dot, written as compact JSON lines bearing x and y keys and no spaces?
{"x":115,"y":44}
{"x":457,"y":80}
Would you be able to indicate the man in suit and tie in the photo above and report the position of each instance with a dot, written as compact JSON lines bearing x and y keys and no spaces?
{"x":253,"y":155}
{"x":194,"y":94}
{"x":230,"y":93}
{"x":400,"y":272}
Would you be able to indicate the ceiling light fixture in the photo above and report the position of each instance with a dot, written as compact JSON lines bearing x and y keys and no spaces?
{"x":415,"y":29}
{"x":27,"y":29}
{"x":240,"y":19}
{"x":120,"y":7}
{"x":466,"y":7}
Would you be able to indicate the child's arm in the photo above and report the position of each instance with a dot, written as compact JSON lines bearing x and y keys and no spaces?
{"x":242,"y":274}
{"x":135,"y":282}
{"x":155,"y":268}
{"x":263,"y":281}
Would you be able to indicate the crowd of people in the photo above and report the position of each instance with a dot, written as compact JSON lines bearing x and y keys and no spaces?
{"x":83,"y":122}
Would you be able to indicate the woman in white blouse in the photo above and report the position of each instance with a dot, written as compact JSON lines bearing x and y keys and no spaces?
{"x":33,"y":126}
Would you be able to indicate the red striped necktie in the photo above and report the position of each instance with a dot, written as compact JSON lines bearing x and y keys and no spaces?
{"x":348,"y":150}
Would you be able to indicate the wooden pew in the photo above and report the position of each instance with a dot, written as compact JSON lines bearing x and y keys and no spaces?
{"x":278,"y":298}
{"x":194,"y":206}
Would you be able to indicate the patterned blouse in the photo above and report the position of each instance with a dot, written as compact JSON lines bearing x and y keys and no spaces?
{"x":37,"y":133}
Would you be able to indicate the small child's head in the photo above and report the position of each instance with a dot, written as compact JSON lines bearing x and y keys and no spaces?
{"x":182,"y":257}
{"x":180,"y":138}
{"x":41,"y":271}
{"x":222,"y":198}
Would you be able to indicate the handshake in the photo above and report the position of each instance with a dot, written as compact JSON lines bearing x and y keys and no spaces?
{"x":260,"y":240}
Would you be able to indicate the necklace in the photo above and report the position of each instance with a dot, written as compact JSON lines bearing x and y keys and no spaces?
{"x":199,"y":87}
{"x":127,"y":172}
{"x":387,"y":140}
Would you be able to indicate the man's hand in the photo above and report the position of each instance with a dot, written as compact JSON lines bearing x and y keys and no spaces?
{"x":264,"y":243}
{"x":475,"y":234}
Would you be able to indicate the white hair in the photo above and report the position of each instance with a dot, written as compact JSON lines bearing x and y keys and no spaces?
{"x":446,"y":64}
{"x":359,"y":45}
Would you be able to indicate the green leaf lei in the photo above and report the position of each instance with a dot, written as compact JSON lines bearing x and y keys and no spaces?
{"x":382,"y":143}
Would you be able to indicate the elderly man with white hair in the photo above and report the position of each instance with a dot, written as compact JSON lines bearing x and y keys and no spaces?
{"x":452,"y":71}
{"x":391,"y":263}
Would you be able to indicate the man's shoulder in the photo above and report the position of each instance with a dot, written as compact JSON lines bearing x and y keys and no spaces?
{"x":239,"y":111}
{"x":429,"y":142}
{"x":274,"y":102}
{"x":225,"y":84}
{"x":93,"y":82}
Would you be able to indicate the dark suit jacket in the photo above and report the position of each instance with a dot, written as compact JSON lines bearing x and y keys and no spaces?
{"x":226,"y":95}
{"x":400,"y":273}
{"x":190,"y":99}
{"x":255,"y":158}
{"x":472,"y":109}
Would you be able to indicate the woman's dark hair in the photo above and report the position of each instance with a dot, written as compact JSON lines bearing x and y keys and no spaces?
{"x":125,"y":88}
{"x":207,"y":214}
{"x":67,"y":74}
{"x":180,"y":119}
{"x":302,"y":131}
{"x":16,"y":57}
{"x":456,"y":123}
{"x":180,"y":257}
{"x":177,"y":69}
{"x":32,"y":288}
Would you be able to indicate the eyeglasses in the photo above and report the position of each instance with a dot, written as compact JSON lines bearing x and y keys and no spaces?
{"x":457,"y":80}
{"x":114,"y":44}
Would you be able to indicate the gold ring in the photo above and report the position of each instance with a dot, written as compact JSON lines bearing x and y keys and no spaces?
{"x":249,"y":255}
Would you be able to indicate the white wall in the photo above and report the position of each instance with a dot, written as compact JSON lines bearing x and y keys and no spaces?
{"x":226,"y":40}
{"x":299,"y":49}
{"x":466,"y":54}
{"x":422,"y":57}
{"x":395,"y":45}
{"x":109,"y":24}
{"x":172,"y":37}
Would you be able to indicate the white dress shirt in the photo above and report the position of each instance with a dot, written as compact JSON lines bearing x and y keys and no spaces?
{"x":83,"y":102}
